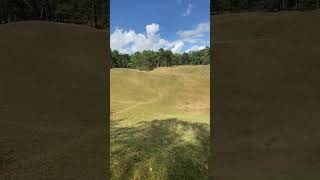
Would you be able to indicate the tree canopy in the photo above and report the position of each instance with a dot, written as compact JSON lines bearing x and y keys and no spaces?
{"x":148,"y":60}
{"x":219,"y":6}
{"x":91,"y":12}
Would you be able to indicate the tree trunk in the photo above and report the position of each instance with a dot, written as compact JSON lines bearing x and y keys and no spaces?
{"x":91,"y":21}
{"x":1,"y":11}
{"x":5,"y":10}
{"x":52,"y":10}
{"x":285,"y":4}
{"x":42,"y":9}
{"x":91,"y":15}
{"x":88,"y":18}
{"x":95,"y":16}
{"x":279,"y":5}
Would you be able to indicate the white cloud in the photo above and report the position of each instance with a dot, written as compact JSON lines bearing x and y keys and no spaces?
{"x":188,"y":11}
{"x":152,"y":29}
{"x":130,"y":41}
{"x":120,"y":38}
{"x":195,"y":48}
{"x":177,"y":47}
{"x":194,"y":35}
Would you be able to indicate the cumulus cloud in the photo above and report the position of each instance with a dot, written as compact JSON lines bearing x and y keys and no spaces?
{"x":177,"y":47}
{"x":194,"y":35}
{"x":119,"y":39}
{"x":130,"y":41}
{"x":152,"y":29}
{"x":188,"y":11}
{"x":195,"y":48}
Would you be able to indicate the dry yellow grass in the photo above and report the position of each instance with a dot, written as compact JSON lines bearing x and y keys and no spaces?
{"x":160,"y":121}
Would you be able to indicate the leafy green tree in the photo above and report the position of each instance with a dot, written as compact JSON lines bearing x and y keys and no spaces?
{"x":176,"y":59}
{"x":185,"y":58}
{"x":148,"y":59}
{"x":136,"y":60}
{"x":115,"y":56}
{"x":205,"y":55}
{"x":164,"y":58}
{"x":93,"y":12}
{"x":262,"y":5}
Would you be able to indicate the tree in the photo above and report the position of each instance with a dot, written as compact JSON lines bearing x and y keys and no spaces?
{"x":176,"y":59}
{"x":4,"y":11}
{"x":235,"y":5}
{"x":115,"y":59}
{"x":72,"y":11}
{"x":169,"y":57}
{"x":136,"y":60}
{"x":271,"y":5}
{"x":164,"y":58}
{"x":148,"y":59}
{"x":195,"y":57}
{"x":205,"y":55}
{"x":161,"y":58}
{"x":1,"y":11}
{"x":185,"y":58}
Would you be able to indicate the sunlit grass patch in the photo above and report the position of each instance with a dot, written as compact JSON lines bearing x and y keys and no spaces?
{"x":160,"y":123}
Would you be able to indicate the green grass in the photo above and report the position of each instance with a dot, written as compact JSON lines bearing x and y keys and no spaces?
{"x":160,"y":123}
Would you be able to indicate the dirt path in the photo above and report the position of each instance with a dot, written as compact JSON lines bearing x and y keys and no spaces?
{"x":153,"y":100}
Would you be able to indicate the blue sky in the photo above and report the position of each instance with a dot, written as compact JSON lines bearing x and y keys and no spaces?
{"x":179,"y":25}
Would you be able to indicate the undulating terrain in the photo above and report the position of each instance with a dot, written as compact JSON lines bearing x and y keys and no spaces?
{"x":266,"y":95}
{"x":160,"y":123}
{"x":52,"y":105}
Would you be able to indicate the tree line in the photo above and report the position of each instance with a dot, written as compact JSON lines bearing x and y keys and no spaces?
{"x":220,"y":6}
{"x":148,"y":59}
{"x":90,"y":12}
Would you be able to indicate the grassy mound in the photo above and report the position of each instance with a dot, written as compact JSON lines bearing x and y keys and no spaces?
{"x":51,"y":101}
{"x":160,"y":123}
{"x":266,"y":95}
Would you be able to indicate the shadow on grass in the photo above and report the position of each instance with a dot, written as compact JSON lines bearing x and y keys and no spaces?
{"x":160,"y":149}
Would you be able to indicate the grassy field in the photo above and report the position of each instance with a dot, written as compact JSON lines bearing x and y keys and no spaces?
{"x":266,"y":89}
{"x":160,"y":123}
{"x":52,"y":84}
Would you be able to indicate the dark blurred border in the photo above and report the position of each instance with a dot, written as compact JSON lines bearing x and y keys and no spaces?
{"x":108,"y":66}
{"x":212,"y":72}
{"x":106,"y":96}
{"x":271,"y":133}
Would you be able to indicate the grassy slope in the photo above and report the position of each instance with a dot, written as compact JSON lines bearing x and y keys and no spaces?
{"x":160,"y":119}
{"x":52,"y":81}
{"x":266,"y":95}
